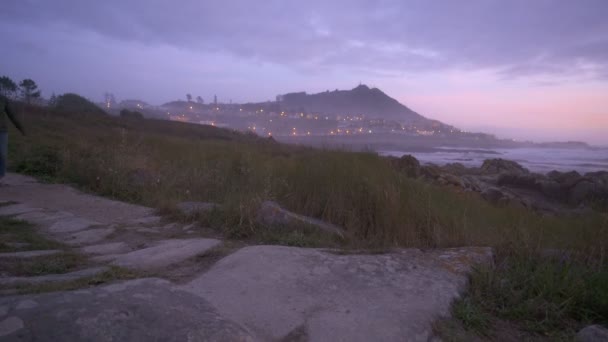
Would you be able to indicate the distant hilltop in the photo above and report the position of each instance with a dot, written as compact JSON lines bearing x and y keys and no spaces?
{"x":371,"y":102}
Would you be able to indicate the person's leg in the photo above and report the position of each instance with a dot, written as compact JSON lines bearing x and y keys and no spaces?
{"x":3,"y":153}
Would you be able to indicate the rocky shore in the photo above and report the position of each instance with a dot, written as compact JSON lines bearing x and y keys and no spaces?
{"x":505,"y":182}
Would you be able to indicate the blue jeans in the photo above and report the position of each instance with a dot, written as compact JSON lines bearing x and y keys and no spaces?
{"x":3,"y":152}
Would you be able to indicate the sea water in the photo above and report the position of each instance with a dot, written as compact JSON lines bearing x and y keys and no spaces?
{"x":540,"y":160}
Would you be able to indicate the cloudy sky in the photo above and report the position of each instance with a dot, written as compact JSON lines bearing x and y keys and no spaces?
{"x":519,"y":68}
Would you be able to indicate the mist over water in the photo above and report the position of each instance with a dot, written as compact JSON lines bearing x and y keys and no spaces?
{"x":541,"y":160}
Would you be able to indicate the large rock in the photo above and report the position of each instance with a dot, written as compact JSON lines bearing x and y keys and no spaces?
{"x":271,"y":214}
{"x":592,"y":333}
{"x":566,"y":179}
{"x":137,"y":310}
{"x":407,"y":164}
{"x":282,"y":292}
{"x":496,"y":166}
{"x":430,"y":171}
{"x":586,"y":190}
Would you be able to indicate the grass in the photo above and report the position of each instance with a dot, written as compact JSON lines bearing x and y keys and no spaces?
{"x":113,"y":274}
{"x":160,"y":163}
{"x":24,"y":234}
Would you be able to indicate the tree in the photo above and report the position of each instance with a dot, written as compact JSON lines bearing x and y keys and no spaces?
{"x":189,"y":97}
{"x":7,"y":86}
{"x":29,"y":90}
{"x":53,"y":100}
{"x":199,"y":100}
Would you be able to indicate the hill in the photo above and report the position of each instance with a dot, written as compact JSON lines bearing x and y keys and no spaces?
{"x":371,"y":102}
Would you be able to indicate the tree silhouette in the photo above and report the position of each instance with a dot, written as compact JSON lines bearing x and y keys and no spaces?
{"x":7,"y":86}
{"x":29,"y":90}
{"x":189,"y":97}
{"x":199,"y":100}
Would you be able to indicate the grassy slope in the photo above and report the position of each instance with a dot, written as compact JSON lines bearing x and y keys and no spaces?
{"x":160,"y":163}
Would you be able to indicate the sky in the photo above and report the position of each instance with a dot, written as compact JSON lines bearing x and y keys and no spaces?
{"x":524,"y":69}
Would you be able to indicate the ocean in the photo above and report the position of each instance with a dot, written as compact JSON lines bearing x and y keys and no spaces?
{"x":541,"y":160}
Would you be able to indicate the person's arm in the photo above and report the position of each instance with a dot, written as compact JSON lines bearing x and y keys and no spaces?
{"x":11,"y":115}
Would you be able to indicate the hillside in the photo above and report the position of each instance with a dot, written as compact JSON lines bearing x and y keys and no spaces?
{"x":371,"y":102}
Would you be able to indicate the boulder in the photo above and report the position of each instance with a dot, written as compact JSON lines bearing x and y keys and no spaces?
{"x":498,"y":165}
{"x":566,"y":179}
{"x":450,"y":179}
{"x":519,"y":180}
{"x":430,"y":171}
{"x":271,"y":214}
{"x":592,"y":333}
{"x":586,"y":190}
{"x":599,"y":177}
{"x":553,"y":189}
{"x":408,"y":165}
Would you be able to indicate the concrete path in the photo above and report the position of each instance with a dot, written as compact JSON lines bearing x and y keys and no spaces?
{"x":258,"y":293}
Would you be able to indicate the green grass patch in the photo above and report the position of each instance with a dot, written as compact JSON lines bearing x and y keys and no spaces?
{"x":113,"y":274}
{"x":43,"y":265}
{"x":19,"y":235}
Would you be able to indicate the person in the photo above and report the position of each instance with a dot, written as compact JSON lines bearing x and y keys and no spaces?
{"x":6,"y":111}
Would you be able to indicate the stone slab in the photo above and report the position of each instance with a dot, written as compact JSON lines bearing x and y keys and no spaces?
{"x":278,"y":292}
{"x":16,"y":209}
{"x":30,"y":254}
{"x":88,"y":236}
{"x":71,"y":224}
{"x":137,"y":310}
{"x":165,"y":253}
{"x":43,"y":216}
{"x":53,"y":278}
{"x":106,"y":248}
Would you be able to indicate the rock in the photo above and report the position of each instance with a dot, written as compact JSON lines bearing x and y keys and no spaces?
{"x":89,"y":236}
{"x":449,"y":179}
{"x":146,"y":220}
{"x":584,"y":190}
{"x":191,"y":208}
{"x":407,"y":164}
{"x":106,"y":248}
{"x":53,"y":278}
{"x":136,"y":310}
{"x":71,"y":224}
{"x":271,"y":214}
{"x":518,"y":180}
{"x":29,"y":254}
{"x":165,"y":253}
{"x":43,"y":216}
{"x":10,"y":325}
{"x":16,"y":209}
{"x":553,"y":189}
{"x":496,"y":166}
{"x":457,"y":169}
{"x":430,"y":171}
{"x":566,"y":179}
{"x":599,"y":177}
{"x":492,"y":195}
{"x":592,"y":333}
{"x":279,"y":292}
